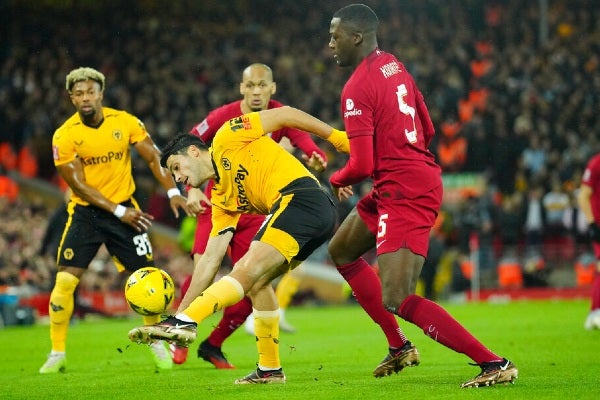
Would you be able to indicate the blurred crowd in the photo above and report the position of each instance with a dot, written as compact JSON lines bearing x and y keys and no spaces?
{"x":512,"y":87}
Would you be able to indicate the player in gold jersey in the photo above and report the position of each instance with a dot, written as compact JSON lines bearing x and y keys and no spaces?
{"x":252,"y":174}
{"x":92,"y":153}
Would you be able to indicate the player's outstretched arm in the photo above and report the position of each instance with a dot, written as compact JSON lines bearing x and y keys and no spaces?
{"x":286,"y":116}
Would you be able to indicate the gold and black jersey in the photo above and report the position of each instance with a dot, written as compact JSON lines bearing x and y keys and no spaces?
{"x":105,"y":152}
{"x":251,"y":169}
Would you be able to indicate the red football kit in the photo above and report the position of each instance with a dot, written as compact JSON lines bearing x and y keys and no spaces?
{"x":385,"y":117}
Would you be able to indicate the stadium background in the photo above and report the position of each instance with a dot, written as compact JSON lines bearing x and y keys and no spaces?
{"x":513,"y":89}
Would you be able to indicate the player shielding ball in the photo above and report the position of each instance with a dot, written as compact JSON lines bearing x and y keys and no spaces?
{"x":252,"y":174}
{"x":257,"y":87}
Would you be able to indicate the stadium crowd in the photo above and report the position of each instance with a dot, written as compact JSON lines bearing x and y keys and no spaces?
{"x":513,"y":92}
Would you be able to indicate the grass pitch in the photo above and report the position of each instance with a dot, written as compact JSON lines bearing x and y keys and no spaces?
{"x":330,"y":357}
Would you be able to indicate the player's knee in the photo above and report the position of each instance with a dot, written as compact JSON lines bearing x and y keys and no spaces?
{"x":393,"y":298}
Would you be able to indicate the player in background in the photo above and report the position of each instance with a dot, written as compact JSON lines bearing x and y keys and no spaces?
{"x":257,"y":87}
{"x":389,"y":129}
{"x":92,"y":152}
{"x":588,"y":199}
{"x":253,"y":174}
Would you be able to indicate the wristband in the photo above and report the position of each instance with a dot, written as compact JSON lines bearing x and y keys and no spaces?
{"x":339,"y":140}
{"x":119,"y":211}
{"x":173,"y":192}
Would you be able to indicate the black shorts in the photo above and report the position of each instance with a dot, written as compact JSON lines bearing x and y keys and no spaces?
{"x":300,"y":221}
{"x":88,"y":227}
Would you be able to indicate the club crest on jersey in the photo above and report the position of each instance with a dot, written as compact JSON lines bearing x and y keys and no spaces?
{"x":68,"y":254}
{"x":117,"y":135}
{"x":350,"y":110}
{"x":226,"y":164}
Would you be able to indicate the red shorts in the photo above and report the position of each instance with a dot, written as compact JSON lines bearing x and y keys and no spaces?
{"x":245,"y":231}
{"x":401,"y":223}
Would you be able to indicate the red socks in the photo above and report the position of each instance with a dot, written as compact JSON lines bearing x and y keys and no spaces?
{"x":233,"y":317}
{"x":366,"y":286}
{"x":439,"y":325}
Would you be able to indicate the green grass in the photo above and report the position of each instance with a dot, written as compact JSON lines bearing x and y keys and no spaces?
{"x":331,"y":357}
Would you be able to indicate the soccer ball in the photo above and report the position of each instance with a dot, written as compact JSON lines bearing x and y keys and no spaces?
{"x":149,"y":291}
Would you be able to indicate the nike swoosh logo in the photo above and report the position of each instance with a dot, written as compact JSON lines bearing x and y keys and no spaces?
{"x":505,"y":366}
{"x":380,"y":243}
{"x":177,"y":326}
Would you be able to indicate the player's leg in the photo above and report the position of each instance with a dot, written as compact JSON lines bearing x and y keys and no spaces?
{"x":280,"y":239}
{"x":285,"y":290}
{"x":352,"y":239}
{"x":132,"y":250}
{"x":60,"y":309}
{"x":303,"y":221}
{"x":230,"y":289}
{"x":266,"y":328}
{"x":401,"y":255}
{"x":77,"y":249}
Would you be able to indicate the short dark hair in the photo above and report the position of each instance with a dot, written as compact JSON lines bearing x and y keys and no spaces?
{"x":179,"y":145}
{"x":360,"y":17}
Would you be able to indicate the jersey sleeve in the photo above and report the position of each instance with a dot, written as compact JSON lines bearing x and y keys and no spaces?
{"x":357,"y":110}
{"x":223,"y":221}
{"x":137,"y":129}
{"x":63,"y":148}
{"x":239,"y":131}
{"x":360,"y":163}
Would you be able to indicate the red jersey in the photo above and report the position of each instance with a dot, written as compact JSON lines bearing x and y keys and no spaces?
{"x":381,"y":100}
{"x":591,"y":178}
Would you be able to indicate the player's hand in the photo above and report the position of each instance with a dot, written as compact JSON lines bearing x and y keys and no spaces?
{"x":343,"y":192}
{"x":197,"y":201}
{"x":177,"y":202}
{"x":139,"y":220}
{"x":315,"y":161}
{"x":594,"y":232}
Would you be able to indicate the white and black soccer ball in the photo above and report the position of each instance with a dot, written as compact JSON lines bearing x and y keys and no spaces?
{"x":149,"y":291}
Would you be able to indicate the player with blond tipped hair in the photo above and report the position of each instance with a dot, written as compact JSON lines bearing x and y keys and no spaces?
{"x":92,"y":153}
